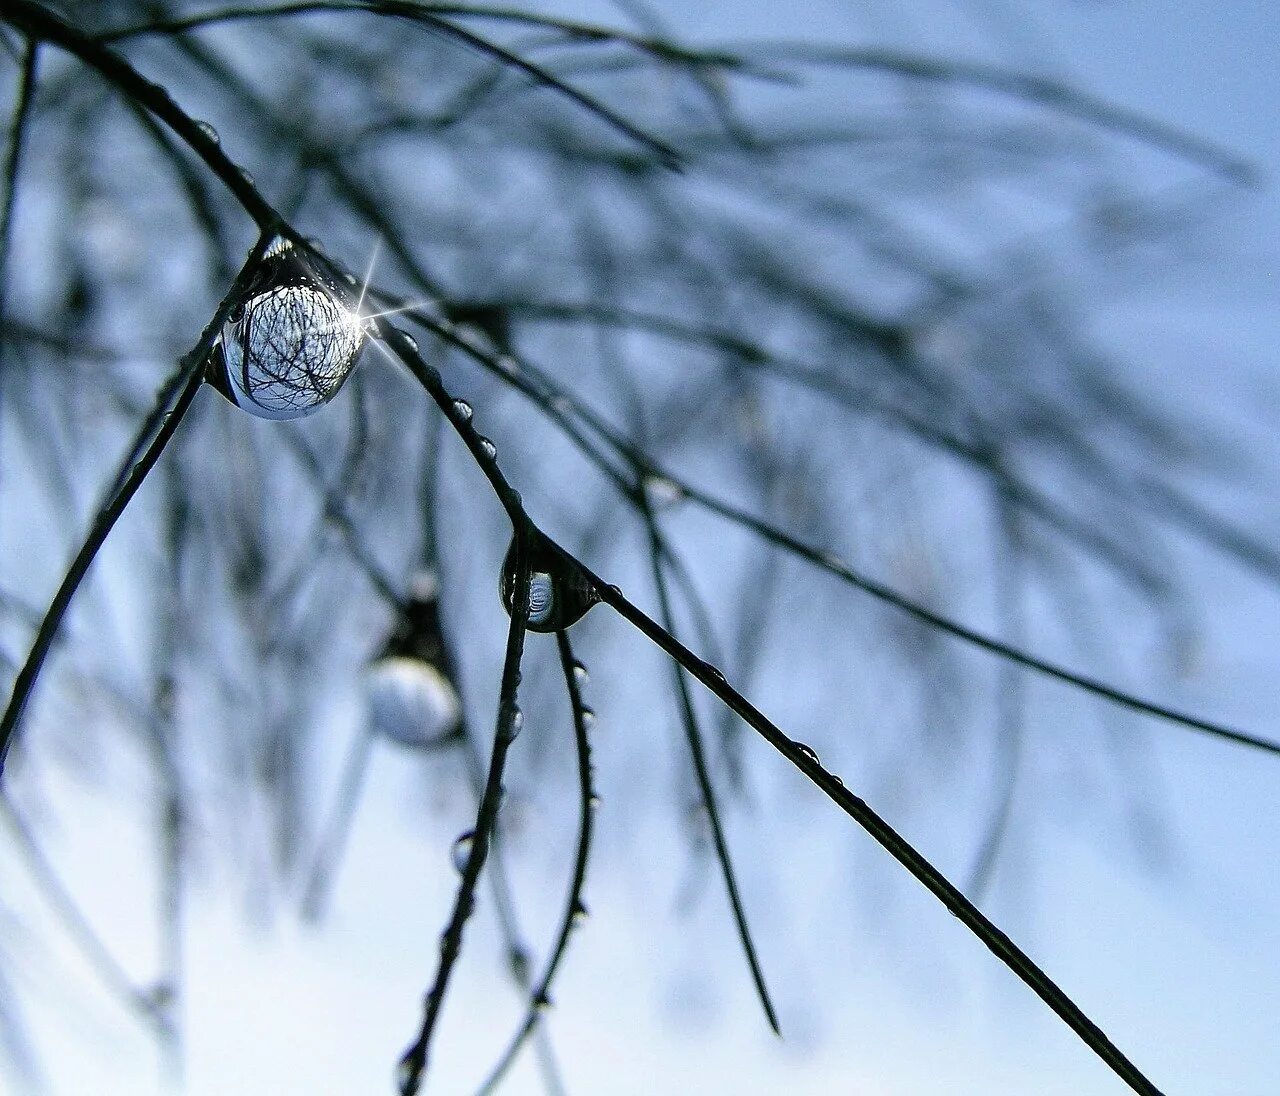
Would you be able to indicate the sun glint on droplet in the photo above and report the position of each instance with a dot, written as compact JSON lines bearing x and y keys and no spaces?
{"x":288,"y":346}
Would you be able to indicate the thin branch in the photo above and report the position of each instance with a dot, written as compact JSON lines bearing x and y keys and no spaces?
{"x":575,"y":910}
{"x":413,"y":1064}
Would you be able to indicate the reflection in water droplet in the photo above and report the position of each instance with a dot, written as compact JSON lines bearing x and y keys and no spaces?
{"x":559,"y":593}
{"x":463,"y":410}
{"x":488,"y":448}
{"x":462,"y":850}
{"x":411,"y":702}
{"x":542,"y":598}
{"x":288,"y":346}
{"x":208,"y":131}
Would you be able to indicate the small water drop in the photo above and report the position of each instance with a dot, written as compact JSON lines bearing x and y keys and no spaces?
{"x":407,"y":1074}
{"x":517,"y":722}
{"x":580,"y":913}
{"x":463,"y":410}
{"x":542,"y":1004}
{"x":488,"y":448}
{"x":580,"y":675}
{"x":588,"y":717}
{"x":594,"y":801}
{"x":289,"y":343}
{"x":462,"y":850}
{"x":246,"y":176}
{"x":662,"y":491}
{"x":808,"y":751}
{"x":208,"y":130}
{"x":410,"y":341}
{"x":518,"y":961}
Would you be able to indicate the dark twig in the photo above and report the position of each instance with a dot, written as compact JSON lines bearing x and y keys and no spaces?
{"x":575,"y":910}
{"x":413,"y":1064}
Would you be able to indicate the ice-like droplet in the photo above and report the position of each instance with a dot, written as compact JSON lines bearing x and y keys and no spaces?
{"x":462,"y":850}
{"x":289,"y":344}
{"x":411,"y":702}
{"x":559,"y":594}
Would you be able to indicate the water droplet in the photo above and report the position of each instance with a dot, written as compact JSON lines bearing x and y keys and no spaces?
{"x":580,"y":913}
{"x":542,"y":1004}
{"x":559,"y":594}
{"x":463,"y":410}
{"x":508,"y":365}
{"x":411,"y":702}
{"x":462,"y":850}
{"x":518,"y":961}
{"x":408,"y":1073}
{"x":517,"y":722}
{"x":409,"y":339}
{"x":663,"y":492}
{"x":580,"y":674}
{"x":244,"y":174}
{"x":488,"y":448}
{"x":594,"y":801}
{"x":588,"y":717}
{"x":290,"y":343}
{"x":208,"y":131}
{"x":808,"y":751}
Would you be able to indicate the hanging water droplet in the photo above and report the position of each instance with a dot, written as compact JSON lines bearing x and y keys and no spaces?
{"x":517,"y":722}
{"x":289,"y":344}
{"x":462,"y":850}
{"x":411,"y":702}
{"x":588,"y":717}
{"x":559,"y":594}
{"x":808,"y":751}
{"x":208,"y":130}
{"x":580,"y":674}
{"x":488,"y":448}
{"x":580,"y":913}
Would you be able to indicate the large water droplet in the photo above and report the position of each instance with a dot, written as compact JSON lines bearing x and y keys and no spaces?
{"x":559,"y":594}
{"x":290,"y":343}
{"x":411,"y":702}
{"x":808,"y":751}
{"x":462,"y":850}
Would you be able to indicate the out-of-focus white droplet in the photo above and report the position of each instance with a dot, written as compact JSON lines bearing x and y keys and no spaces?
{"x":411,"y":702}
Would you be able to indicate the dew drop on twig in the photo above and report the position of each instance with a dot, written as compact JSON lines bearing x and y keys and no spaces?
{"x":461,"y":852}
{"x":559,"y":594}
{"x":290,"y":343}
{"x":208,"y":131}
{"x":463,"y":410}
